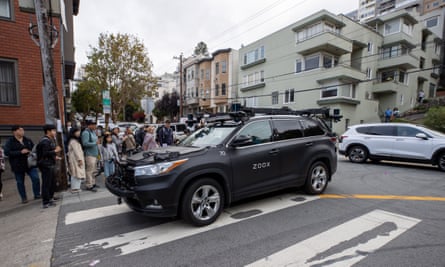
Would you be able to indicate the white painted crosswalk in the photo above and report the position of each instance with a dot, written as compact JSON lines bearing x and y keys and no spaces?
{"x":311,"y":252}
{"x":342,"y":245}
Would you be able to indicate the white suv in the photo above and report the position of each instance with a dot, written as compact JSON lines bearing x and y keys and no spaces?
{"x":393,"y":141}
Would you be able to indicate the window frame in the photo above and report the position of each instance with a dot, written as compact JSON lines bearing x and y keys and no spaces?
{"x":10,"y":4}
{"x":289,"y":96}
{"x":15,"y":70}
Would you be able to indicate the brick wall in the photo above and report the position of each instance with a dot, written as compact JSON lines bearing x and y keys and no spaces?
{"x":16,"y":44}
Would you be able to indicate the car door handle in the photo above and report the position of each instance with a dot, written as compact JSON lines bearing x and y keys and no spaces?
{"x":274,"y":151}
{"x":400,"y":139}
{"x":309,"y":144}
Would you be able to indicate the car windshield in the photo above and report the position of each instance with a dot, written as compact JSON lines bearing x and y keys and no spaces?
{"x":208,"y":136}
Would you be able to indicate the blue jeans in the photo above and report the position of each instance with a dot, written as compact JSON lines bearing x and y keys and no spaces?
{"x":35,"y":179}
{"x":108,"y":168}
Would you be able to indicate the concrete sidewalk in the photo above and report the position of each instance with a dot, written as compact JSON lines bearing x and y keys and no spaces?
{"x":27,"y":231}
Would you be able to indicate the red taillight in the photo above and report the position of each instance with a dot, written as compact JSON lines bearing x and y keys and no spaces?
{"x":342,"y":137}
{"x":334,"y":139}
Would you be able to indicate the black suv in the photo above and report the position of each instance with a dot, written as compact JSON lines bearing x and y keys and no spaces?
{"x":226,"y":161}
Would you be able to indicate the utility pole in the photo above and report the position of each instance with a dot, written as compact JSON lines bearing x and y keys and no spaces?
{"x":180,"y":88}
{"x":52,"y":115}
{"x":181,"y":96}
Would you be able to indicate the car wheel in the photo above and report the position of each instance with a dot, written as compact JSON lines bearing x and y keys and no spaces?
{"x":441,"y":161}
{"x":203,"y":202}
{"x":317,"y":178}
{"x":358,"y":154}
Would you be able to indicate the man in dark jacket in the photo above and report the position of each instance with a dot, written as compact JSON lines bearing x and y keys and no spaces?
{"x":17,"y":149}
{"x":46,"y":159}
{"x":165,"y":135}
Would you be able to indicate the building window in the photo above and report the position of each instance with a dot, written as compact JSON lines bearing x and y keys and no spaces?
{"x":202,"y":74}
{"x":329,"y":92}
{"x":432,"y":22}
{"x":289,"y":96}
{"x":223,"y":89}
{"x":393,"y":51}
{"x":207,"y":74}
{"x":217,"y":90}
{"x":8,"y":83}
{"x":432,"y":90}
{"x":254,"y":55}
{"x":253,"y":78}
{"x":5,"y":9}
{"x":392,"y":27}
{"x":312,"y":62}
{"x":368,"y":73}
{"x":403,"y":77}
{"x":402,"y":99}
{"x":298,"y":66}
{"x":421,"y":63}
{"x":370,"y":48}
{"x":275,"y":98}
{"x":223,"y":67}
{"x":250,"y":102}
{"x":217,"y":68}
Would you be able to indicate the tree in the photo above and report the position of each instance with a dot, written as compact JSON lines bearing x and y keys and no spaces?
{"x":87,"y":98}
{"x":120,"y":64}
{"x":435,"y":118}
{"x":201,"y":49}
{"x":167,"y":106}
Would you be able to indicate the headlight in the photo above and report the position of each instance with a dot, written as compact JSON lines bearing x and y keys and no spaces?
{"x":158,"y":168}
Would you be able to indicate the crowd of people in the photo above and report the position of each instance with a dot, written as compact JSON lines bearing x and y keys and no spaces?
{"x":88,"y":151}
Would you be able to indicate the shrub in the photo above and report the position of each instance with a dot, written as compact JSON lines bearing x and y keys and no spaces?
{"x":435,"y":118}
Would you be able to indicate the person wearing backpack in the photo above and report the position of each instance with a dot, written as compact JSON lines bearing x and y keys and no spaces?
{"x":165,"y":135}
{"x":47,"y":153}
{"x":17,"y":149}
{"x":89,"y":144}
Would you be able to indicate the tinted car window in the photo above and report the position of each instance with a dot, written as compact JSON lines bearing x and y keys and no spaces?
{"x":259,"y":131}
{"x":382,"y":130}
{"x":362,"y":130}
{"x":407,"y":131}
{"x":287,"y":129}
{"x":180,"y":127}
{"x":312,"y":128}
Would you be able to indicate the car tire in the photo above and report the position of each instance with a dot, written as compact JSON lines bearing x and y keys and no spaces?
{"x":441,"y":161}
{"x":317,"y":178}
{"x":203,"y":202}
{"x":358,"y":154}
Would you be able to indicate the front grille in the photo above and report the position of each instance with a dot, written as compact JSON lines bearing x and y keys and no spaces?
{"x":126,"y":175}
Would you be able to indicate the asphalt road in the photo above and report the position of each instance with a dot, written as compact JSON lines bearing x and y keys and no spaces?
{"x":371,"y":215}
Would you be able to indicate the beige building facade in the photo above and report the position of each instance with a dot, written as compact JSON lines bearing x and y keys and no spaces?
{"x":328,"y":60}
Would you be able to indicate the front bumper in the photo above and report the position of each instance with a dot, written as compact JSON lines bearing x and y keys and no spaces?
{"x":143,"y":199}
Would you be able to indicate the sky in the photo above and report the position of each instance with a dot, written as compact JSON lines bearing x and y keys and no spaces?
{"x":171,"y":27}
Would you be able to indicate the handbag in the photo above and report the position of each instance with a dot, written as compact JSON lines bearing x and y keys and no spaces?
{"x":32,"y":157}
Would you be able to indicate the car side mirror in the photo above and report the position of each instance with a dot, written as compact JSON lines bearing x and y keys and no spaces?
{"x":422,"y":136}
{"x":241,"y":140}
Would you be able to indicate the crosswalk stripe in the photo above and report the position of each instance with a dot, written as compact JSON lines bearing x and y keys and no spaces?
{"x":145,"y":238}
{"x":345,"y":244}
{"x":91,"y":214}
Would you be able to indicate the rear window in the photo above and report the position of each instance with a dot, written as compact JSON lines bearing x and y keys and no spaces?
{"x":312,"y":128}
{"x":287,"y":129}
{"x":362,"y":130}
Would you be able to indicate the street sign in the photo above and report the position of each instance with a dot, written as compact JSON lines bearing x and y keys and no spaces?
{"x":106,"y":101}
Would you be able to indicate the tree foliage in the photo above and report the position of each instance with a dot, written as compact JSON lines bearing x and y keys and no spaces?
{"x":87,"y":98}
{"x":167,"y":106}
{"x":119,"y":63}
{"x":201,"y":49}
{"x":435,"y":118}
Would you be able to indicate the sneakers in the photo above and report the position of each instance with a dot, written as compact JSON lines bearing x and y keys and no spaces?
{"x":37,"y":197}
{"x":92,"y":189}
{"x":50,"y":204}
{"x":24,"y":201}
{"x":96,"y":186}
{"x":1,"y":196}
{"x":56,"y":199}
{"x":75,"y":191}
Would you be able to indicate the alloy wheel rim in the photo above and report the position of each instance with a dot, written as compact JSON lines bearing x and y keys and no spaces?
{"x":357,"y":154}
{"x":442,"y":162}
{"x":319,"y":178}
{"x":205,"y":202}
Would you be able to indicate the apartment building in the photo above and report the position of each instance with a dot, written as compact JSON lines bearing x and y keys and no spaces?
{"x":327,"y":60}
{"x":22,"y":99}
{"x":210,"y":83}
